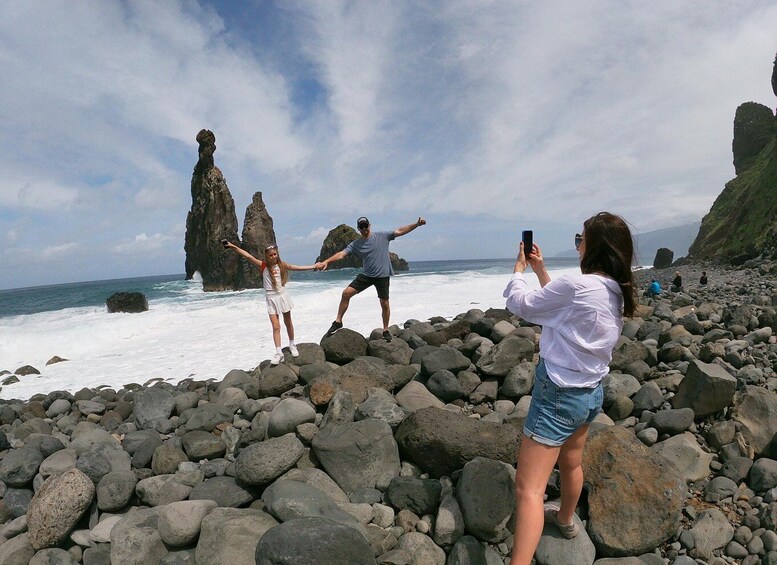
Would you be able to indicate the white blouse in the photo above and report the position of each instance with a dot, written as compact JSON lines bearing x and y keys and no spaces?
{"x":581,"y":319}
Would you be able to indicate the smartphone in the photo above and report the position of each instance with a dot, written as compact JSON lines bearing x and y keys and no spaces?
{"x":225,"y":243}
{"x":527,"y":236}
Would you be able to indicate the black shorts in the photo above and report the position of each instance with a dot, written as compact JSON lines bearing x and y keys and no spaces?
{"x":362,"y":281}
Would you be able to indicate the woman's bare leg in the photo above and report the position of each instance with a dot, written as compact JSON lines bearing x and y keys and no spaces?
{"x":570,"y":466}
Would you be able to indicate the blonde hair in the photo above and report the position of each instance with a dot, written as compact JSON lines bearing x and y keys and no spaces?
{"x":281,"y":265}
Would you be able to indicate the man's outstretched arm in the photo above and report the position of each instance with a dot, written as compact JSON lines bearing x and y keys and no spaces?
{"x":322,"y":265}
{"x":409,"y":227}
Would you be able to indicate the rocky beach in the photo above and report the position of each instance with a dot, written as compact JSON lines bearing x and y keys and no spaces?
{"x":364,"y":451}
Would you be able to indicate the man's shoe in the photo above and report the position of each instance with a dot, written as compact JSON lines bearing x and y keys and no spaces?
{"x":387,"y":335}
{"x":276,"y":359}
{"x":569,"y":531}
{"x":294,"y":351}
{"x":333,"y":328}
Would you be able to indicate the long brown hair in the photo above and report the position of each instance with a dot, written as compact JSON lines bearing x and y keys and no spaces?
{"x":609,"y":249}
{"x":281,"y":265}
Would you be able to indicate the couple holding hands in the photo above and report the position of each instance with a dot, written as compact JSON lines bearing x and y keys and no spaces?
{"x":371,"y":247}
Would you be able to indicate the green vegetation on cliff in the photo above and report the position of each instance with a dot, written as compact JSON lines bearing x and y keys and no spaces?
{"x":742,"y":222}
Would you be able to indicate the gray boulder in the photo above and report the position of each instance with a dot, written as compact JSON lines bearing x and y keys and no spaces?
{"x":275,"y":380}
{"x":358,"y":454}
{"x":231,"y":535}
{"x":179,"y":522}
{"x":344,"y":346}
{"x":519,"y":381}
{"x":224,"y":491}
{"x":755,"y":408}
{"x":555,"y":548}
{"x":287,"y":415}
{"x":313,"y":541}
{"x":686,"y":455}
{"x":707,"y":388}
{"x":763,"y":475}
{"x":648,"y":397}
{"x":441,"y":441}
{"x":199,"y":444}
{"x":469,"y":551}
{"x":152,"y":405}
{"x":486,"y":495}
{"x":635,"y":496}
{"x":135,"y":539}
{"x":380,"y":405}
{"x":508,"y":353}
{"x":444,"y":385}
{"x":287,"y":500}
{"x":672,"y":422}
{"x":415,"y":396}
{"x":19,"y":466}
{"x":262,"y":463}
{"x":57,"y":506}
{"x":443,"y":358}
{"x":421,"y":496}
{"x":115,"y":490}
{"x":395,"y":352}
{"x":711,"y":530}
{"x":449,"y":522}
{"x":423,"y":549}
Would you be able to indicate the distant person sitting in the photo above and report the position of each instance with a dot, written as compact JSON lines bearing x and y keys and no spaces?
{"x":653,"y":289}
{"x":703,"y":279}
{"x":677,"y":282}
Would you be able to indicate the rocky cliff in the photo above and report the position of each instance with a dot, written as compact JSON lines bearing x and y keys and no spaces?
{"x":337,"y":239}
{"x":258,"y":233}
{"x":211,"y":218}
{"x":742,"y":223}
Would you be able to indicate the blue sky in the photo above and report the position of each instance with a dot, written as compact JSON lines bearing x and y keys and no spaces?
{"x":484,"y":117}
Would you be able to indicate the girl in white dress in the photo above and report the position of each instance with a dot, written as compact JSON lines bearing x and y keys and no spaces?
{"x":275,"y":275}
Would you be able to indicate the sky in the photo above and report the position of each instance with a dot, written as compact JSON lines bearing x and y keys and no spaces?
{"x":484,"y":117}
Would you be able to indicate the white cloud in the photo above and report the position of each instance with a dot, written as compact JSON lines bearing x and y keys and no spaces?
{"x":316,"y":235}
{"x":56,"y":251}
{"x":143,"y":243}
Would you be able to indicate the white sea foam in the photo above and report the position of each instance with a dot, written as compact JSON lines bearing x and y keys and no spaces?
{"x":205,"y":335}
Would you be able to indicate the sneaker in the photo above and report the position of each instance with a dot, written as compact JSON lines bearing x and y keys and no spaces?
{"x":387,"y":335}
{"x":569,"y":531}
{"x":333,"y":328}
{"x":294,"y":351}
{"x":277,"y":358}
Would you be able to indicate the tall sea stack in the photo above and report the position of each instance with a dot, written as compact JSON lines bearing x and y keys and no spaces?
{"x":258,"y":233}
{"x":211,"y":219}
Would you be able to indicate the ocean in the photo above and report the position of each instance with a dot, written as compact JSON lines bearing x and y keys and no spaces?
{"x":190,"y":333}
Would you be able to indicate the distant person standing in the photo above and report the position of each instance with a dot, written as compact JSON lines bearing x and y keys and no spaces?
{"x":275,"y":275}
{"x":703,"y":279}
{"x":373,"y":249}
{"x":677,"y":282}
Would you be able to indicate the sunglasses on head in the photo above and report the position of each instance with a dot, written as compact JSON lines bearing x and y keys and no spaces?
{"x":270,"y":247}
{"x":578,"y":240}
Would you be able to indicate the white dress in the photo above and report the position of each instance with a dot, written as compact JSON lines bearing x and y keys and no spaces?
{"x":278,"y":301}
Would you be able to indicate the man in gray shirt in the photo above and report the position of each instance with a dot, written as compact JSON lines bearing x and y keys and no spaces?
{"x":373,"y":249}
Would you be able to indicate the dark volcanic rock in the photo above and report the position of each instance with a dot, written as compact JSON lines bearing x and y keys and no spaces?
{"x":635,"y":496}
{"x":127,"y":302}
{"x":258,"y":233}
{"x":663,"y":258}
{"x":440,"y":441}
{"x":211,"y":218}
{"x":753,"y":129}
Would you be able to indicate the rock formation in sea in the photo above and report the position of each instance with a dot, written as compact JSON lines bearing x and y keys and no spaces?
{"x":211,"y":218}
{"x":132,"y":302}
{"x":258,"y":233}
{"x":742,"y":223}
{"x":338,"y":238}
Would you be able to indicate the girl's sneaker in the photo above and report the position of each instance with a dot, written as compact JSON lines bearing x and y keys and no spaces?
{"x":276,"y":359}
{"x":294,"y":351}
{"x":569,"y":531}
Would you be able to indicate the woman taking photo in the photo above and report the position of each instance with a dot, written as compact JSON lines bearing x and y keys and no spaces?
{"x":275,"y":275}
{"x":581,"y":318}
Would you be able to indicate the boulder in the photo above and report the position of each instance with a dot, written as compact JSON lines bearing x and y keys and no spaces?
{"x":179,"y":522}
{"x":132,"y":302}
{"x":486,"y":495}
{"x":395,"y":352}
{"x":152,"y":405}
{"x":359,"y":454}
{"x":449,"y":522}
{"x":469,"y":551}
{"x":231,"y":535}
{"x":200,"y":444}
{"x":707,"y":388}
{"x":263,"y":462}
{"x":344,"y":346}
{"x":312,"y":541}
{"x":358,"y":376}
{"x":443,"y":358}
{"x":421,"y":496}
{"x":275,"y":380}
{"x":555,"y":548}
{"x":635,"y":496}
{"x":422,"y":548}
{"x":57,"y":506}
{"x":508,"y":353}
{"x":711,"y":530}
{"x":441,"y":441}
{"x":115,"y":490}
{"x":135,"y":539}
{"x":686,"y":455}
{"x":287,"y":415}
{"x":755,"y":408}
{"x":19,"y":466}
{"x":415,"y":396}
{"x":223,"y":491}
{"x":663,"y":258}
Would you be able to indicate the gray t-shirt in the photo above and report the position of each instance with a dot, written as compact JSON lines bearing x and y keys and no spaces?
{"x":374,"y":253}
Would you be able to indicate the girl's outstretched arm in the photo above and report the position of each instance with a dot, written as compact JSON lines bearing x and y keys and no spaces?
{"x":258,"y":262}
{"x":291,"y":267}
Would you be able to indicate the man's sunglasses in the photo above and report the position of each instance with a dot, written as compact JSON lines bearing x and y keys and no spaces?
{"x":578,"y":240}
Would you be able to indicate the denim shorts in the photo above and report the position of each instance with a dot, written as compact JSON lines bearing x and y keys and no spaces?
{"x":556,"y":413}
